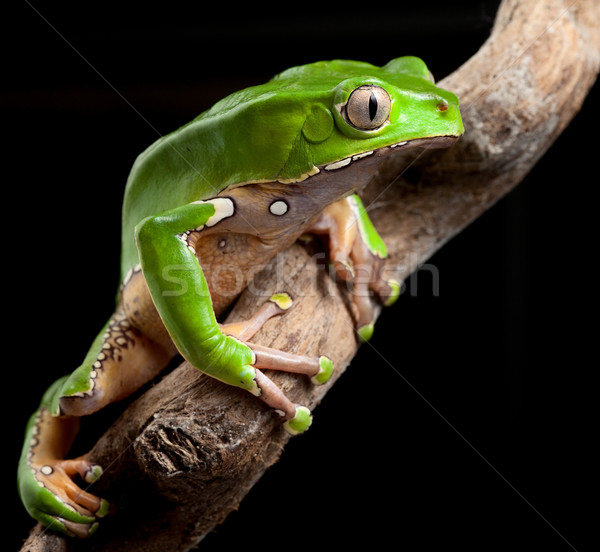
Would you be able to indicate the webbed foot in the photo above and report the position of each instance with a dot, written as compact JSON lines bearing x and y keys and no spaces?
{"x":47,"y":486}
{"x":53,"y":498}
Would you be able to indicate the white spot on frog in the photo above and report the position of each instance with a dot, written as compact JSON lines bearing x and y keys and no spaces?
{"x":224,"y":208}
{"x":278,"y":208}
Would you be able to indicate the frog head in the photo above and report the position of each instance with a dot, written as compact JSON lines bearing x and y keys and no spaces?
{"x":325,"y":113}
{"x":396,"y":105}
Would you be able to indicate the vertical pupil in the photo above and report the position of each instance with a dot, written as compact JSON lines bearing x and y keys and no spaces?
{"x":372,"y":106}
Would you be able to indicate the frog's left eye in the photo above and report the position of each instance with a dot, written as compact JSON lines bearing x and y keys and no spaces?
{"x":368,"y":107}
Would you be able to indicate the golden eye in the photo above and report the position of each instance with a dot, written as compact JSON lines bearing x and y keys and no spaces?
{"x":368,"y":107}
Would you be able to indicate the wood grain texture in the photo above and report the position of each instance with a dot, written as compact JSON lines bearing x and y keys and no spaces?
{"x":189,"y":449}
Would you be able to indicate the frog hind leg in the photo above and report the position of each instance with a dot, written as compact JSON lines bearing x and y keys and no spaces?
{"x":46,"y":481}
{"x":356,"y":251}
{"x":119,"y":361}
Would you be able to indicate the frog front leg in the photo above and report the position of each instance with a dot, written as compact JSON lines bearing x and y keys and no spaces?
{"x":356,"y":251}
{"x":182,"y":297}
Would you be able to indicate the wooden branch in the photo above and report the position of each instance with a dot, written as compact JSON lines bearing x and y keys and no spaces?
{"x":190,"y":448}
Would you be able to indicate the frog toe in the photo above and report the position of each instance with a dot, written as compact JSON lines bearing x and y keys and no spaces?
{"x":390,"y":292}
{"x":81,"y":530}
{"x":67,"y":527}
{"x":88,"y":471}
{"x":365,"y":332}
{"x":300,"y":422}
{"x":325,"y":371}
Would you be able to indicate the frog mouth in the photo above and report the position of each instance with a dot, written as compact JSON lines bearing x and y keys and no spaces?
{"x":432,"y":142}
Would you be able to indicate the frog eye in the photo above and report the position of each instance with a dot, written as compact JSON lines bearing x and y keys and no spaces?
{"x":368,"y":107}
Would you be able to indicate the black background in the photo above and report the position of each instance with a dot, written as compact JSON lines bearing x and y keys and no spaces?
{"x":475,"y":424}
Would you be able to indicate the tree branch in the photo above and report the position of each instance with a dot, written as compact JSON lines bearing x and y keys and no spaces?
{"x":190,"y":448}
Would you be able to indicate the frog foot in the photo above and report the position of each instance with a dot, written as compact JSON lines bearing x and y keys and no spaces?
{"x":357,"y":254}
{"x":53,"y":498}
{"x":388,"y":292}
{"x":297,"y":418}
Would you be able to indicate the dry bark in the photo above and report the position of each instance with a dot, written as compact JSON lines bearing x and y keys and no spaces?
{"x":190,"y":448}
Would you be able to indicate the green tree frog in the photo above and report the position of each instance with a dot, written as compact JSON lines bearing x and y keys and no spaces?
{"x":233,"y":187}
